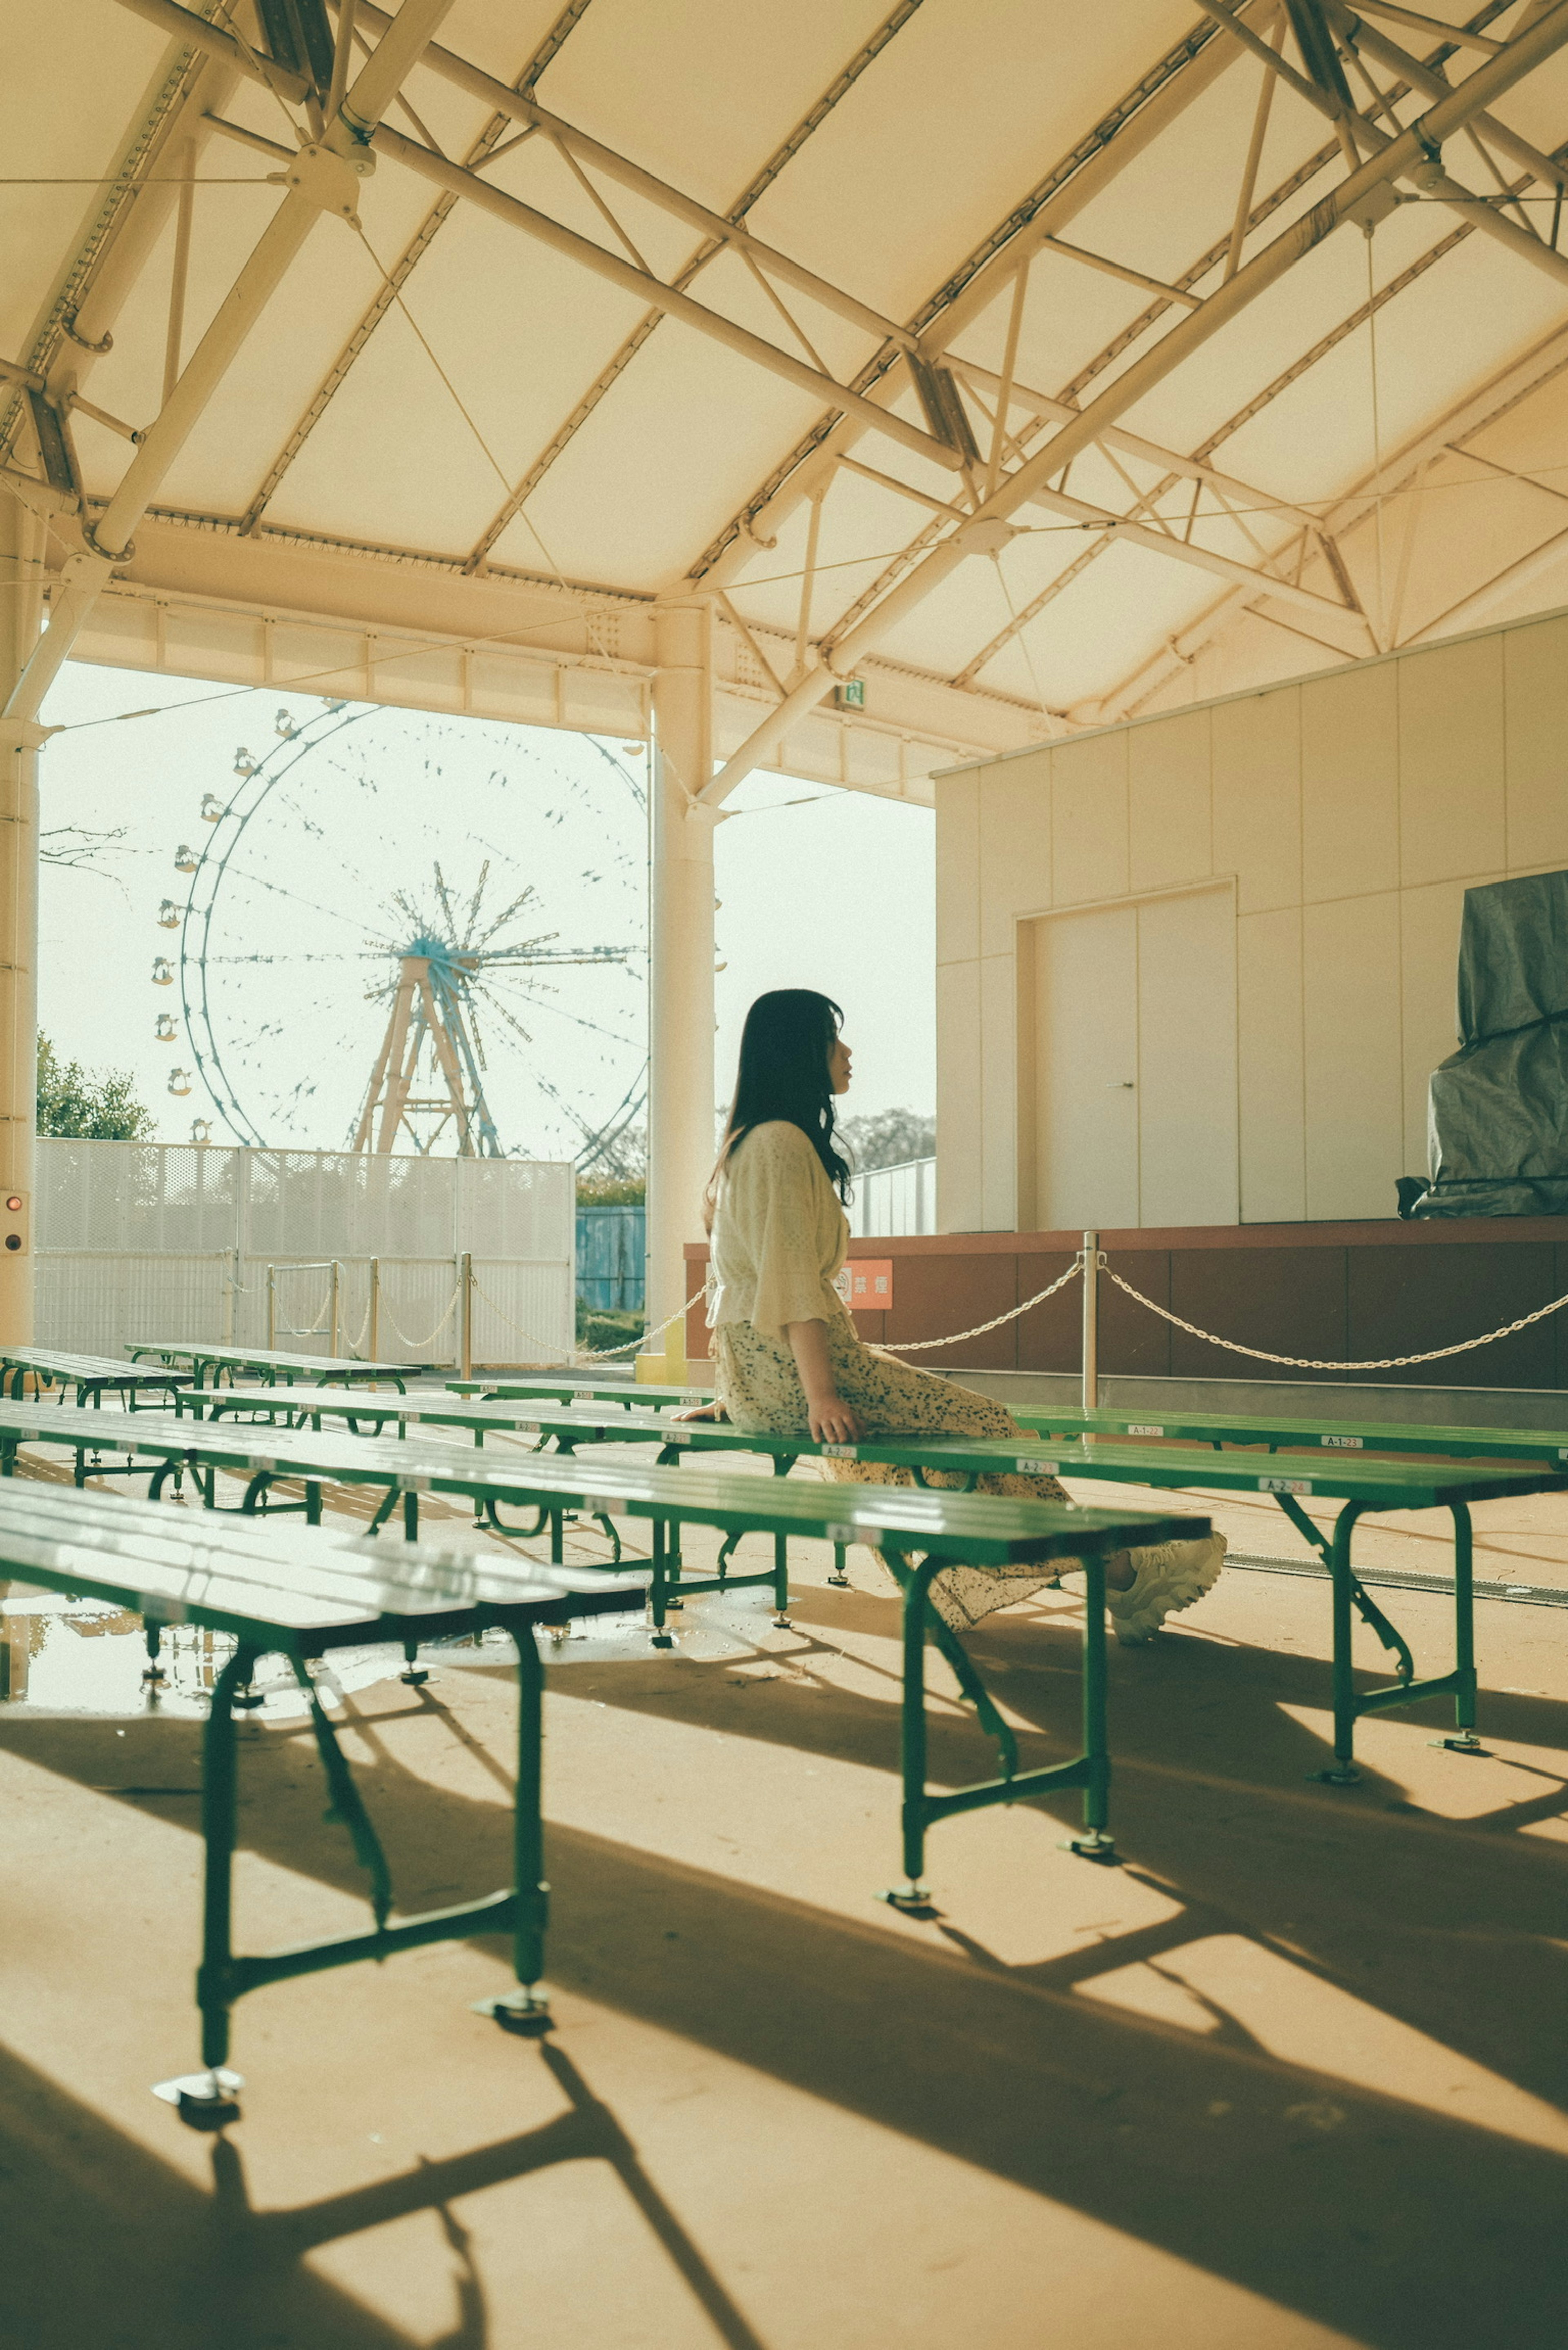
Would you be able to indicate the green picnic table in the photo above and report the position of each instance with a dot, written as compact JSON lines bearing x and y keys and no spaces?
{"x":1360,"y":1484}
{"x":87,"y":1375}
{"x":566,"y":1386}
{"x":917,"y":1531}
{"x":300,"y":1592}
{"x":271,"y":1364}
{"x":1310,"y":1435}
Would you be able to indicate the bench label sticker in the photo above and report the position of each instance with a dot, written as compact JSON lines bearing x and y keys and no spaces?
{"x":870,"y":1536}
{"x":1029,"y":1465}
{"x":678,"y":1436}
{"x":1343,"y":1443}
{"x":1143,"y":1428}
{"x":1284,"y":1485}
{"x":413,"y":1484}
{"x":840,"y":1452}
{"x":161,"y":1611}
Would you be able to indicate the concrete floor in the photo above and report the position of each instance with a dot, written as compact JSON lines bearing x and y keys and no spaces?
{"x":1292,"y":2076}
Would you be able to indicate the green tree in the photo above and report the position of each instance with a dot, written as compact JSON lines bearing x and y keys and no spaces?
{"x":87,"y":1105}
{"x":888,"y":1138}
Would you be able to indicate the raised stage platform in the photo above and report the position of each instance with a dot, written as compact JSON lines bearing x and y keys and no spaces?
{"x":1343,"y":1293}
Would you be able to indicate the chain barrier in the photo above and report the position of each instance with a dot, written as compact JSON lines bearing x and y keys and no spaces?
{"x":919,"y":1345}
{"x":418,"y":1345}
{"x":1313,"y":1363}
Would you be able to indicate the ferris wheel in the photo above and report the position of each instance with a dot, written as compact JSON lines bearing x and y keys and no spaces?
{"x":409,"y":932}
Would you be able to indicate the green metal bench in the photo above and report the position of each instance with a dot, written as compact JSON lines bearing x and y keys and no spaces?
{"x":1359,"y":1483}
{"x":568,"y":1387}
{"x":1309,"y":1435}
{"x":87,"y":1375}
{"x":917,"y":1531}
{"x":300,"y":1592}
{"x":272,"y":1365}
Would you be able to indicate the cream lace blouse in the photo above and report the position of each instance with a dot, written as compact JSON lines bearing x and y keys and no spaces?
{"x":779,"y":1233}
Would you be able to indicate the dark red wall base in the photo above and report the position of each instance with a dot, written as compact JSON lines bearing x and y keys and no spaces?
{"x":1343,"y":1293}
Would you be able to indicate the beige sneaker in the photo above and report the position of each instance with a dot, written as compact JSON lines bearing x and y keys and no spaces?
{"x":1169,"y":1575}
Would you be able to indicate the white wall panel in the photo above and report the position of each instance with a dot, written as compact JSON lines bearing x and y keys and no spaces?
{"x":1014,"y":848}
{"x":960,"y":1111}
{"x":1451,"y":762}
{"x":957,"y":867}
{"x":1089,"y":819}
{"x":1257,"y":770}
{"x":1350,"y":972}
{"x":999,"y":1080}
{"x":1353,"y":809}
{"x":1350,"y":783}
{"x":1270,"y":1072}
{"x":1170,"y":828}
{"x":1188,"y":1171}
{"x":1535,"y":686}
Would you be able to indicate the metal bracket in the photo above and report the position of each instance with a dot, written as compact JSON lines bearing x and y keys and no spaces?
{"x":328,"y":179}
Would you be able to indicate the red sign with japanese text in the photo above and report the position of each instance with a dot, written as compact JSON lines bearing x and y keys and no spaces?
{"x":866,"y":1285}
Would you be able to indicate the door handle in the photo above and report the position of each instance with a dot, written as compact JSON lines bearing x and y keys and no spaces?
{"x":1122,"y":1085}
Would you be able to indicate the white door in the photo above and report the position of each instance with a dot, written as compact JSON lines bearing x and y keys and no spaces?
{"x":1135,"y":1080}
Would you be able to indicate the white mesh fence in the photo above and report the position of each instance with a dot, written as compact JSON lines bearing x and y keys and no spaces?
{"x":146,"y":1242}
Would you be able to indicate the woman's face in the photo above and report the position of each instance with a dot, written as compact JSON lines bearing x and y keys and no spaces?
{"x":838,"y":1067}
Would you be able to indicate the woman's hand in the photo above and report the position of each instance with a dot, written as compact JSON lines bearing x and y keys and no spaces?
{"x":703,"y":1411}
{"x":832,"y":1421}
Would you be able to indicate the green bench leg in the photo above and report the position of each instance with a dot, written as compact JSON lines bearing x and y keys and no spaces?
{"x":1466,"y":1742}
{"x":208,"y":2100}
{"x":840,"y":1559}
{"x":525,"y":2010}
{"x":1096,"y":1842}
{"x":913,"y":1816}
{"x":1343,"y":1771}
{"x":412,"y":1672}
{"x":1090,"y":1771}
{"x":659,"y":1585}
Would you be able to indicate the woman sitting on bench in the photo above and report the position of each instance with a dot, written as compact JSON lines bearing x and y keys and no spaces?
{"x":787,"y":1353}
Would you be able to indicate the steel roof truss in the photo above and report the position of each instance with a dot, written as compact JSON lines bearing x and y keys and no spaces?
{"x":1542,"y":38}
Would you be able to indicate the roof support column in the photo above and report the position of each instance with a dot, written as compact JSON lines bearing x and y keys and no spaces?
{"x":681,"y":975}
{"x":21,"y":617}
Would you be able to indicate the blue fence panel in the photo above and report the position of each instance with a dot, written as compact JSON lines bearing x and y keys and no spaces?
{"x":612,"y":1244}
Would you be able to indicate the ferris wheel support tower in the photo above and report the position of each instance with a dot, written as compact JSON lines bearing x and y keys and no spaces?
{"x":420,"y":1014}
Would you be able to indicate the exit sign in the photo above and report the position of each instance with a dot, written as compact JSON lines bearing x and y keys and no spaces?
{"x":850,"y":693}
{"x":866,"y":1285}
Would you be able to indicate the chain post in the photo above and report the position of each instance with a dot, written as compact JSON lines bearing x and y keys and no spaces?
{"x":1090,"y":1357}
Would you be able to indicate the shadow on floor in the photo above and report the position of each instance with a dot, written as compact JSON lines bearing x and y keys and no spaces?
{"x":1405,"y":2229}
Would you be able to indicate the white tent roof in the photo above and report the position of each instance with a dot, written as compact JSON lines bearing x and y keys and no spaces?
{"x":467,"y":446}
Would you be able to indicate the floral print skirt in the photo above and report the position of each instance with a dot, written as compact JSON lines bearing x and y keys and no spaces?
{"x":759,"y":1387}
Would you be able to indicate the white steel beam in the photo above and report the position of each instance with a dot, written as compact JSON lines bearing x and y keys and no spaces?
{"x":184,"y":25}
{"x":324,"y":178}
{"x":1490,"y":80}
{"x":1143,"y":125}
{"x":1181,"y":550}
{"x":1134,"y":444}
{"x":1435,"y":183}
{"x":659,"y":296}
{"x":657,"y":192}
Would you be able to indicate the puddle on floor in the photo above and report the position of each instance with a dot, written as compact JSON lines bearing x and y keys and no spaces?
{"x":59,"y":1655}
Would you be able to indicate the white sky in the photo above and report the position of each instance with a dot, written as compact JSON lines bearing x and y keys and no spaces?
{"x":835,"y":893}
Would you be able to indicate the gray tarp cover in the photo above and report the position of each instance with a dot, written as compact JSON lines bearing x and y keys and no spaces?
{"x":1498,"y":1115}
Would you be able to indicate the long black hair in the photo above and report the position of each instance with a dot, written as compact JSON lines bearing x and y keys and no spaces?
{"x":786,"y":1046}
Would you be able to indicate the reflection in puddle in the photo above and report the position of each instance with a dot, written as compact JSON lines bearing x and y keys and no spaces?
{"x":79,"y":1656}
